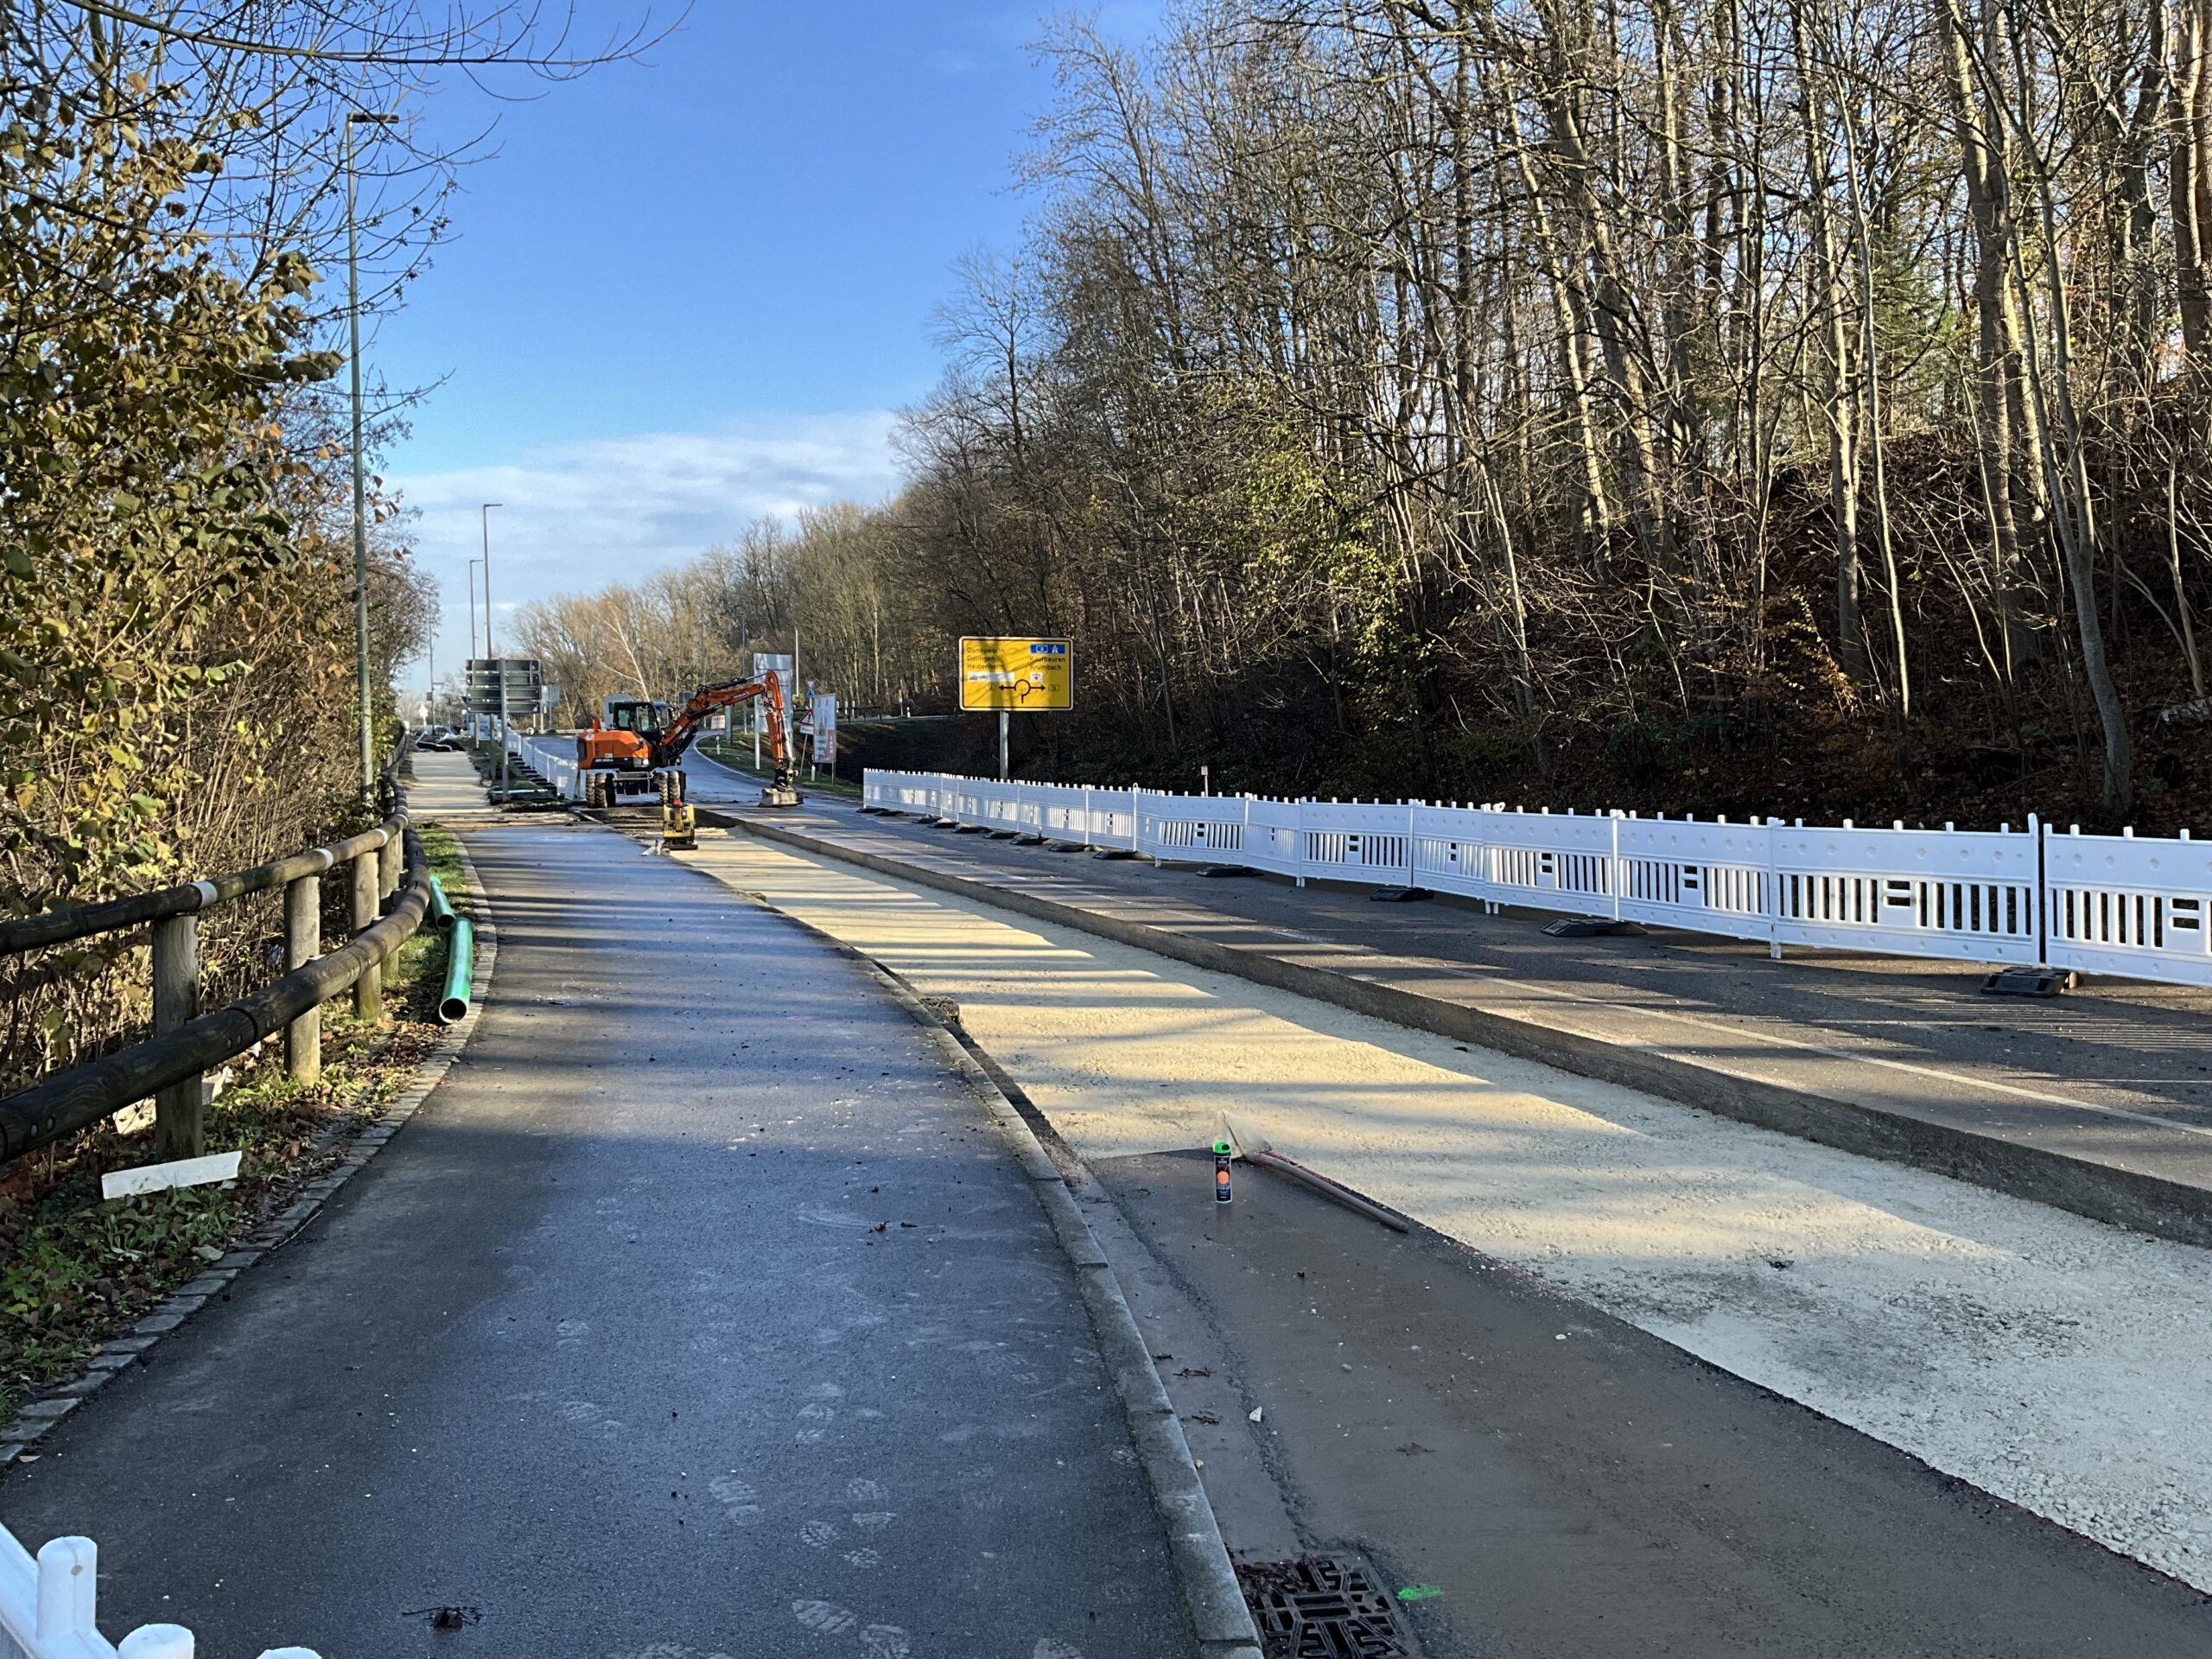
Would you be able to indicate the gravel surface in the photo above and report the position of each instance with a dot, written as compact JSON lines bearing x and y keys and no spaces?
{"x":2052,"y":1361}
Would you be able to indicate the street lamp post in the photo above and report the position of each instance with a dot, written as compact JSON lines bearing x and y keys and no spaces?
{"x":472,"y":728}
{"x":473,"y":563}
{"x":353,"y":118}
{"x":497,"y":667}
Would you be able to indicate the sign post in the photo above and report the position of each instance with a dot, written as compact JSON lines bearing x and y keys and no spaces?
{"x":825,"y":730}
{"x":499,"y":684}
{"x":1007,"y":674}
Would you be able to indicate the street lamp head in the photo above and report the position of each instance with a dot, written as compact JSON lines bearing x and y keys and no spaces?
{"x":365,"y":118}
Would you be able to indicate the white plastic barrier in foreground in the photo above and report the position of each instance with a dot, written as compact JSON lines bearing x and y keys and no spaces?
{"x":2101,"y":904}
{"x":47,"y":1609}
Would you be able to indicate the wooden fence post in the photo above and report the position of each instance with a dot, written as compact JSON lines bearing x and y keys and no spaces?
{"x":368,"y":987}
{"x":302,"y":944}
{"x":388,"y":884}
{"x":177,"y":1128}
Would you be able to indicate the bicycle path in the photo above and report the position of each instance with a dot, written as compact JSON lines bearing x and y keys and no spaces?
{"x":701,"y":1311}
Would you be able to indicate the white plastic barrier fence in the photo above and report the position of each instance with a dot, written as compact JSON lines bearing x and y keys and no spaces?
{"x":2124,"y":905}
{"x":553,"y":758}
{"x":2117,"y":904}
{"x":48,"y":1608}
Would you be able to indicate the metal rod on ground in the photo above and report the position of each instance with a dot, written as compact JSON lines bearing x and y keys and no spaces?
{"x":1253,"y":1147}
{"x":177,"y":1113}
{"x":1327,"y":1188}
{"x":302,"y":944}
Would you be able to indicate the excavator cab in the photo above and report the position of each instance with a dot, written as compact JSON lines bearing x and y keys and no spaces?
{"x":619,"y":747}
{"x":635,"y":714}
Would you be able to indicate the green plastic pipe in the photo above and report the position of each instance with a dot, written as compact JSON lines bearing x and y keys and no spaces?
{"x":461,"y":970}
{"x":442,"y":910}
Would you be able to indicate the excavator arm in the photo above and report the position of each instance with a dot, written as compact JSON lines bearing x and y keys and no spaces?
{"x":669,"y":744}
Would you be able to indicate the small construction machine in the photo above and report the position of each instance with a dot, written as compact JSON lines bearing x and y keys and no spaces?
{"x":635,"y":748}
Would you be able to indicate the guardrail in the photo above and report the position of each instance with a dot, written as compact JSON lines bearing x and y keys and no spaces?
{"x":2137,"y":906}
{"x":390,"y":884}
{"x":48,"y":1608}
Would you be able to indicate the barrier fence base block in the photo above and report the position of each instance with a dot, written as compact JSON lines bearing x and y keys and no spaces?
{"x":1225,"y":870}
{"x":1029,"y":841}
{"x":1065,"y":847}
{"x":1113,"y":852}
{"x":1006,"y":834}
{"x":969,"y":829}
{"x":1589,"y":927}
{"x":1397,"y":895}
{"x":2022,"y":981}
{"x":944,"y":823}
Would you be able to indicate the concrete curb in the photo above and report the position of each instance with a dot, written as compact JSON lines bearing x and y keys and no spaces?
{"x":1214,"y":1600}
{"x":35,"y":1418}
{"x":2121,"y":1198}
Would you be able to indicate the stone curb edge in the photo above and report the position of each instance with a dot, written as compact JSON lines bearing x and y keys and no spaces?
{"x":33,"y":1420}
{"x":2117,"y":1197}
{"x":1219,"y":1618}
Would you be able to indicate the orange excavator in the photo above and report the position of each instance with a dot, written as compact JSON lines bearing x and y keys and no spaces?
{"x":635,"y":748}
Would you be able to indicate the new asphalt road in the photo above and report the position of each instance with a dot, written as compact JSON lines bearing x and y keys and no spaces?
{"x":702,"y":1311}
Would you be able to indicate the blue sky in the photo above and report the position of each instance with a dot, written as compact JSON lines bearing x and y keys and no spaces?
{"x":687,"y":292}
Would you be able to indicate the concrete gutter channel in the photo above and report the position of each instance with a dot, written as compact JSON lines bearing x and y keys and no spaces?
{"x":2179,"y":1209}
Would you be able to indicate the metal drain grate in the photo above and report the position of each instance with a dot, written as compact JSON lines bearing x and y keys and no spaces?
{"x":1324,"y":1607}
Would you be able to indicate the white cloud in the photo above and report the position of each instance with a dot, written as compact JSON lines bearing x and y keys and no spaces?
{"x":577,"y":516}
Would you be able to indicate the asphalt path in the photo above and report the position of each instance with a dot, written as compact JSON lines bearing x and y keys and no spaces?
{"x":701,"y":1311}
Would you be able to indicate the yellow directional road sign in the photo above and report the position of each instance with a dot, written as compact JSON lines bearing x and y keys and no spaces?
{"x":1031,"y":674}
